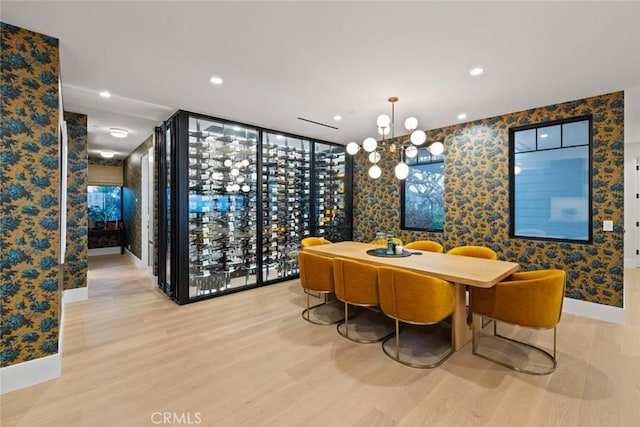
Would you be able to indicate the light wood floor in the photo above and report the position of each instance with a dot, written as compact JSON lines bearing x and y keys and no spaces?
{"x":249,"y":359}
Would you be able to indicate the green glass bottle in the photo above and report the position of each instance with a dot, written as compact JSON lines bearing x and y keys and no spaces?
{"x":389,"y":244}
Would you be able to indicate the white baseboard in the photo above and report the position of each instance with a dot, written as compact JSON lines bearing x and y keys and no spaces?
{"x":593,"y":310}
{"x":32,"y":372}
{"x":75,"y":295}
{"x":105,"y":251}
{"x":137,"y":261}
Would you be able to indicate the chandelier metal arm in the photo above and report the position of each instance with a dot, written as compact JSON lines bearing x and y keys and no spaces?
{"x":370,"y":145}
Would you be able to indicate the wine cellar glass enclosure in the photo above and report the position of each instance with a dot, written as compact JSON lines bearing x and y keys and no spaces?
{"x":236,"y":201}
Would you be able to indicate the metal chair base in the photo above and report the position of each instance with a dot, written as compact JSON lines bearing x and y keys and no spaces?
{"x":546,"y":354}
{"x":306,"y":313}
{"x":343,"y":328}
{"x":397,"y":358}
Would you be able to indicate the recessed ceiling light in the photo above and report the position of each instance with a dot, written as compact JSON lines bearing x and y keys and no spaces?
{"x":462,"y":116}
{"x":337,"y":118}
{"x":105,"y":94}
{"x":118,"y":132}
{"x":476,"y":71}
{"x":107,"y":154}
{"x":216,"y":80}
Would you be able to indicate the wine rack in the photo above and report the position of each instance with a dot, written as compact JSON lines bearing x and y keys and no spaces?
{"x":237,"y":200}
{"x":331,"y":197}
{"x":286,"y":190}
{"x":222,"y":206}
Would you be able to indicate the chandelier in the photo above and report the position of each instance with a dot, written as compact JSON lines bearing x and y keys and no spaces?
{"x":407,"y":149}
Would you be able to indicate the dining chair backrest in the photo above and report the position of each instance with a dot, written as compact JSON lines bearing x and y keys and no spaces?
{"x":314,"y":241}
{"x":425,"y":245}
{"x":529,"y":298}
{"x":474,"y":251}
{"x":414,"y":297}
{"x":316,"y":272}
{"x":355,"y":282}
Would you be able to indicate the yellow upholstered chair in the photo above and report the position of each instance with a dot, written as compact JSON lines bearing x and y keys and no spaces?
{"x":532,"y":299}
{"x":313,"y":241}
{"x":474,"y":251}
{"x":316,"y":275}
{"x":356,"y":283}
{"x":383,"y":242}
{"x":414,"y":298}
{"x":425,"y":245}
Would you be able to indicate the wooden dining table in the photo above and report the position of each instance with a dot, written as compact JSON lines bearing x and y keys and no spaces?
{"x":460,"y":270}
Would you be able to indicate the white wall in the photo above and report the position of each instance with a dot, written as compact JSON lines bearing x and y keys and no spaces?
{"x":632,"y":115}
{"x":631,"y":152}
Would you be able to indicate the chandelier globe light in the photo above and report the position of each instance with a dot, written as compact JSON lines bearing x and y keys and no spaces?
{"x":408,"y":148}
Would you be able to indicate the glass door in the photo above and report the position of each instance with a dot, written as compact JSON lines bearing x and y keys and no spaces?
{"x":166,"y":279}
{"x":222,"y":206}
{"x":286,"y":188}
{"x":332,"y":202}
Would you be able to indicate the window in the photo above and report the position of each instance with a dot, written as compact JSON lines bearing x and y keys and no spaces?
{"x":550,"y":170}
{"x":422,"y":196}
{"x":104,"y":203}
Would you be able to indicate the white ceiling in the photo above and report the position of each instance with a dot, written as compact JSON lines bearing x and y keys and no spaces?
{"x":284,"y":60}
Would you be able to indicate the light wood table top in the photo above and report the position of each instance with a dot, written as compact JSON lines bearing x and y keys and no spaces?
{"x":471,"y":271}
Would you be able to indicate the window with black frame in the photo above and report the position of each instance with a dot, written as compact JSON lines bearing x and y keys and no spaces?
{"x":422,"y":195}
{"x":550,"y":171}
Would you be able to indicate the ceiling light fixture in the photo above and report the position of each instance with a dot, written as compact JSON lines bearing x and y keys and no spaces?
{"x":407,"y":147}
{"x":462,"y":116}
{"x":105,"y":94}
{"x":216,"y":80}
{"x":337,"y":118}
{"x":476,"y":71}
{"x":118,"y":132}
{"x":107,"y":154}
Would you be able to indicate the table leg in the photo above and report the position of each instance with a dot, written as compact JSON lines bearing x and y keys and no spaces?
{"x":461,"y":332}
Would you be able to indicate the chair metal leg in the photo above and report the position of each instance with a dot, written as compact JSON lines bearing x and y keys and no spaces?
{"x":539,"y":350}
{"x":397,"y":340}
{"x":346,"y":320}
{"x":343,"y":328}
{"x":397,"y":358}
{"x":306,"y":313}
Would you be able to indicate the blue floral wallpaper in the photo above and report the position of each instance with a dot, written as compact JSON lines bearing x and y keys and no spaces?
{"x":477,"y":197}
{"x":75,"y":268}
{"x":104,"y":162}
{"x":29,"y":195}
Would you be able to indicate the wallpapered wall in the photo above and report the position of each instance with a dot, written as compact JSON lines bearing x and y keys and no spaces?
{"x":105,"y":162}
{"x":29,"y":196}
{"x":75,"y":268}
{"x":477,"y":197}
{"x":132,"y":197}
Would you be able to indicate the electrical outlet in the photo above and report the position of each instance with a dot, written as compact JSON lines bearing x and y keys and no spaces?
{"x":607,"y":225}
